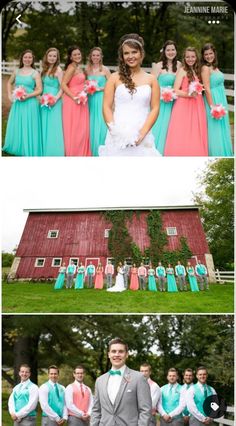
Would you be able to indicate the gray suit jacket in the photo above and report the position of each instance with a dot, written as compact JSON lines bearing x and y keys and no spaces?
{"x":132,"y":406}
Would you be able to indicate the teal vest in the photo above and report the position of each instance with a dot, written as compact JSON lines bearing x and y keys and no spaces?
{"x":199,"y":397}
{"x":90,"y":269}
{"x":71,"y":269}
{"x":160,"y":271}
{"x":200,"y":270}
{"x":180,"y":270}
{"x":170,"y":400}
{"x":185,"y":412}
{"x":56,"y":402}
{"x":21,"y":398}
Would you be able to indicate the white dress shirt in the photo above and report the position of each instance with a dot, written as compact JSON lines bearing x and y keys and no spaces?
{"x":114,"y":383}
{"x":43,"y":399}
{"x":155,"y":392}
{"x":33,"y":400}
{"x":69,"y":400}
{"x":192,"y":408}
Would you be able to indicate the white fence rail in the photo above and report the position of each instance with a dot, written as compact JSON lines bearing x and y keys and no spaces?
{"x":222,"y":421}
{"x":8,"y":68}
{"x":224,"y":276}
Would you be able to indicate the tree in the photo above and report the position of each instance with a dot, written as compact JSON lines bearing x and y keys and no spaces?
{"x":217,"y":209}
{"x":7,"y":259}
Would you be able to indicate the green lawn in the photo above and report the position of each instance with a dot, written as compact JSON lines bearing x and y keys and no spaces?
{"x":40,"y":297}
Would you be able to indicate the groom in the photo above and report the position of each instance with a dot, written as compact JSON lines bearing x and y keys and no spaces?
{"x":122,"y":396}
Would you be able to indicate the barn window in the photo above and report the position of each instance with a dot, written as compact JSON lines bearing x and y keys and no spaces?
{"x":75,"y":260}
{"x":56,"y":261}
{"x":106,"y":233}
{"x":39,"y":262}
{"x":53,"y":233}
{"x":171,"y":230}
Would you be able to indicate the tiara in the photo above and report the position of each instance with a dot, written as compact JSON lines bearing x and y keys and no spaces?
{"x":133,"y":40}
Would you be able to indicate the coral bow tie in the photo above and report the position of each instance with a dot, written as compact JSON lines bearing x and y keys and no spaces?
{"x":114,"y":372}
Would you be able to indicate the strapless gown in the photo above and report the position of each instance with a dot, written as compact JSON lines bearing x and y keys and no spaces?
{"x":119,"y":284}
{"x":130,"y":113}
{"x":98,"y":127}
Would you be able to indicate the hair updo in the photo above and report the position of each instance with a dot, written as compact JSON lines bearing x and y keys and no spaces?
{"x":135,"y":41}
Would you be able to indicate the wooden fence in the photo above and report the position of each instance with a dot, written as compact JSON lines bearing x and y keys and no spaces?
{"x":224,"y":276}
{"x":8,"y":68}
{"x":223,"y":421}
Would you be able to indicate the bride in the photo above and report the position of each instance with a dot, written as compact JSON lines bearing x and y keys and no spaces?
{"x":119,"y":284}
{"x":131,"y":104}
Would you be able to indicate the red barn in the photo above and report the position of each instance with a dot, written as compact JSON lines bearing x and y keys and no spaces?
{"x":54,"y":236}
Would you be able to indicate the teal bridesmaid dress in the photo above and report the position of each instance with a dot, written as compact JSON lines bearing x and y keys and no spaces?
{"x":171,"y":283}
{"x":160,"y":127}
{"x":192,"y":279}
{"x":98,"y":127}
{"x":60,"y":279}
{"x":52,"y":131}
{"x":151,"y":280}
{"x":79,"y":281}
{"x":219,"y":139}
{"x":23,"y":134}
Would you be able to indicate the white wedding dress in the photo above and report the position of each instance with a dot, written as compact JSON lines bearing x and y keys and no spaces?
{"x":119,"y":284}
{"x":130,"y":113}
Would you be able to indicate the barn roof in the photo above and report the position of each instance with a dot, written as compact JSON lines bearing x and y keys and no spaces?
{"x":89,"y":209}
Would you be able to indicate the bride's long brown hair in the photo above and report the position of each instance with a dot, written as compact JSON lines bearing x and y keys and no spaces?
{"x":124,"y":69}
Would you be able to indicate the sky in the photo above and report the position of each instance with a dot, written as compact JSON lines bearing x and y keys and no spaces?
{"x":29,"y":183}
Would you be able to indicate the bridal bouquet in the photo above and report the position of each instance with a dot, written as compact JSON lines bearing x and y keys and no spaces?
{"x":168,"y":94}
{"x":91,"y":86}
{"x":218,"y":111}
{"x":82,"y":97}
{"x":19,"y":93}
{"x":195,"y":86}
{"x":122,"y":135}
{"x":47,"y":100}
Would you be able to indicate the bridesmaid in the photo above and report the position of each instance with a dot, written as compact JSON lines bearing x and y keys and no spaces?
{"x":97,"y":71}
{"x":187,"y":133}
{"x":165,"y":72}
{"x":191,"y":277}
{"x":99,"y":277}
{"x":79,"y":281}
{"x":75,"y":116}
{"x":219,"y":139}
{"x":61,"y":277}
{"x":23,"y":134}
{"x":171,"y":283}
{"x":52,"y":131}
{"x":151,"y":279}
{"x":134,"y":284}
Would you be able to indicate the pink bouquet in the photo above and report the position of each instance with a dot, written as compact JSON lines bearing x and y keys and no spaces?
{"x":19,"y":93}
{"x":218,"y":111}
{"x":195,"y":86}
{"x":48,"y":100}
{"x":168,"y":94}
{"x":82,"y":97}
{"x":91,"y":86}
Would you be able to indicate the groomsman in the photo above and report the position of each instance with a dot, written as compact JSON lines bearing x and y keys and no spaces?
{"x":90,"y":273}
{"x":24,"y":399}
{"x":171,"y":405}
{"x":196,"y":396}
{"x":142,"y":274}
{"x":161,"y":276}
{"x":70,"y":273}
{"x":188,"y":382}
{"x":79,"y":400}
{"x":126,"y":273}
{"x":122,"y":396}
{"x":155,"y":390}
{"x":201,"y":272}
{"x":109,"y":272}
{"x":52,"y":400}
{"x":180,"y":272}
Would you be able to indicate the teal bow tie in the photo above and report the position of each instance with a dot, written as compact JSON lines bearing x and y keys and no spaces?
{"x":114,"y":372}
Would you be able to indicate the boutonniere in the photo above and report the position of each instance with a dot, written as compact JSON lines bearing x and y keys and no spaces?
{"x":127,"y":378}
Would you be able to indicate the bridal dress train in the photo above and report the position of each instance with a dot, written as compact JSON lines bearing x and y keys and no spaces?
{"x":119,"y":284}
{"x":130,"y":113}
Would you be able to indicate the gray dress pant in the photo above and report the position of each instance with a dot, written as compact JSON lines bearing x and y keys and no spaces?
{"x":90,"y":281}
{"x":76,"y":421}
{"x":109,"y":282}
{"x":162,"y":283}
{"x":195,"y":422}
{"x":182,"y":282}
{"x":47,"y":422}
{"x":202,"y":279}
{"x":174,"y":422}
{"x":125,"y":280}
{"x":26,"y":421}
{"x":69,"y":280}
{"x":142,"y":282}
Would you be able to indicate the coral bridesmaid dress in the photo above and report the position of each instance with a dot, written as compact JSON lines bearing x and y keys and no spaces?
{"x":187,"y":133}
{"x":76,"y":121}
{"x":134,"y":284}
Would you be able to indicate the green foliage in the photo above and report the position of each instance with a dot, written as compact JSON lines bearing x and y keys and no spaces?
{"x":183,"y":254}
{"x":217,"y":211}
{"x":158,"y":238}
{"x":7,"y":259}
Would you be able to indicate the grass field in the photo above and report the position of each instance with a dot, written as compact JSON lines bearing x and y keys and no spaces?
{"x":41,"y":297}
